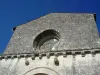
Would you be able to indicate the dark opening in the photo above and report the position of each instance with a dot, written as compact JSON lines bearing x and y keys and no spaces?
{"x":14,"y":28}
{"x":40,"y":74}
{"x":95,"y":17}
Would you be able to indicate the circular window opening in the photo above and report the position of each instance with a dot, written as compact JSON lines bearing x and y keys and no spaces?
{"x":47,"y":40}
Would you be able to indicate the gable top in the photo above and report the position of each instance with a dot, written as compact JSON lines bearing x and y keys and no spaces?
{"x":51,"y":14}
{"x":77,"y":31}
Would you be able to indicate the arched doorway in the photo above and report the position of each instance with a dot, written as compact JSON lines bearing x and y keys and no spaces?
{"x":40,"y":74}
{"x":41,"y":71}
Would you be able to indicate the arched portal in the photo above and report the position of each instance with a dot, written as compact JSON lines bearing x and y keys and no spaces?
{"x":41,"y":71}
{"x":40,"y":74}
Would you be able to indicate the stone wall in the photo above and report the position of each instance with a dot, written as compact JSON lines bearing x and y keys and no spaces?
{"x":77,"y":30}
{"x":79,"y":65}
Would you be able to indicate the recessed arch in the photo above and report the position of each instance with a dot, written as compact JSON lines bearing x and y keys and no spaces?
{"x":47,"y":35}
{"x":40,"y":74}
{"x":39,"y":70}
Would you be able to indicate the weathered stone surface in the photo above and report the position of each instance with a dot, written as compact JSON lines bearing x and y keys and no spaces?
{"x":78,"y":31}
{"x":67,"y":66}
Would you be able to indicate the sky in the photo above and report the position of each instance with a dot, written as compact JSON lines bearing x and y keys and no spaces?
{"x":17,"y":12}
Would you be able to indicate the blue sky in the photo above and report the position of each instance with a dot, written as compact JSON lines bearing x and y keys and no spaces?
{"x":16,"y":12}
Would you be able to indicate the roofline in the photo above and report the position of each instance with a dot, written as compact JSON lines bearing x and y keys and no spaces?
{"x":14,"y":28}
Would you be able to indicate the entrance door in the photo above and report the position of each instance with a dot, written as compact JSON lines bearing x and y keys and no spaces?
{"x":40,"y":74}
{"x":41,"y":71}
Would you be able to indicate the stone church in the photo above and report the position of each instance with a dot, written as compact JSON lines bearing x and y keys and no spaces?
{"x":55,"y":44}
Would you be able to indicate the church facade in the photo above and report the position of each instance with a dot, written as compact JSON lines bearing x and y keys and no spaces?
{"x":55,"y":44}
